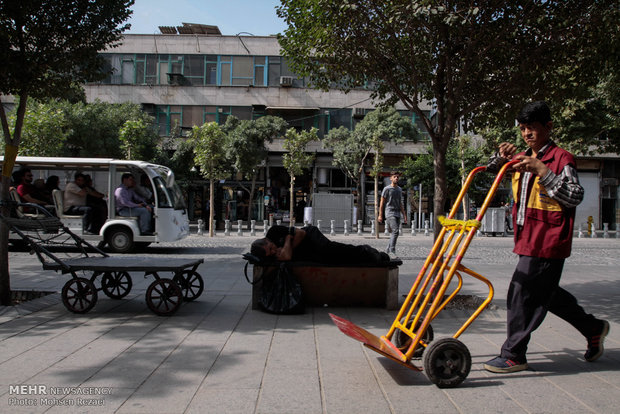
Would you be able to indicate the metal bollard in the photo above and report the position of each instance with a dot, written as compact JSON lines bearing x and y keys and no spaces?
{"x":226,"y":227}
{"x":372,"y":228}
{"x":400,"y":229}
{"x":386,"y":232}
{"x":593,"y":229}
{"x":199,"y":232}
{"x":253,"y":228}
{"x":318,"y":224}
{"x":426,"y":228}
{"x":346,"y":227}
{"x":605,"y":230}
{"x":413,"y":228}
{"x":332,"y":232}
{"x":239,"y":227}
{"x":580,"y":231}
{"x":265,"y":227}
{"x":213,"y":226}
{"x":360,"y":230}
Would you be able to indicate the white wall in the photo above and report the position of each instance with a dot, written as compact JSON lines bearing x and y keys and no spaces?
{"x":590,"y":204}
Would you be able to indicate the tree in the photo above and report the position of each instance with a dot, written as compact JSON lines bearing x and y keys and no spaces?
{"x":465,"y":58}
{"x":45,"y":130}
{"x":210,"y":156}
{"x":138,"y":140}
{"x":460,"y":160}
{"x":246,"y":146}
{"x":46,"y":47}
{"x":297,"y":159}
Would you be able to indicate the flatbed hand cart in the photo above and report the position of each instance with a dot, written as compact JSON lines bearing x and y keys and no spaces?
{"x":447,"y":361}
{"x":48,"y":238}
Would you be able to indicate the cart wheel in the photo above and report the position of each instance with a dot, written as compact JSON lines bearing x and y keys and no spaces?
{"x":191,"y":284}
{"x":79,"y":295}
{"x":116,"y":284}
{"x":447,"y":362}
{"x":164,"y":297}
{"x":402,"y":340}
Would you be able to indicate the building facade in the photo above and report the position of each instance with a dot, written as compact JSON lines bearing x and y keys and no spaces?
{"x":189,"y":79}
{"x":193,"y":74}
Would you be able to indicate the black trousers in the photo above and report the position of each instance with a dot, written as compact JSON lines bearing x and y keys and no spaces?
{"x":534,"y":290}
{"x":318,"y":248}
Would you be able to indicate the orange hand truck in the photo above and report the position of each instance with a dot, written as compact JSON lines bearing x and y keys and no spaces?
{"x":447,"y":361}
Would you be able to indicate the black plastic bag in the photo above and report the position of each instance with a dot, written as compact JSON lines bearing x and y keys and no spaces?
{"x":282,"y":293}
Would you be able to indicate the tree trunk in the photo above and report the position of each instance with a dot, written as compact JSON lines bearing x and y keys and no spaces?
{"x":377,"y":199}
{"x":291,"y":206}
{"x":5,"y":279}
{"x":211,"y":207}
{"x":251,"y":202}
{"x":439,"y":200}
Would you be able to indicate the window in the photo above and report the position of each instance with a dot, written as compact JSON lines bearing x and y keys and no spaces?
{"x":194,"y":69}
{"x":242,"y":70}
{"x":274,"y":70}
{"x":225,"y":64}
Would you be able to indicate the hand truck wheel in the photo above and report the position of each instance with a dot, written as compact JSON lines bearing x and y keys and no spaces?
{"x":191,"y":284}
{"x":164,"y":297}
{"x":402,"y":340}
{"x":116,"y":284}
{"x":79,"y":295}
{"x":447,"y":362}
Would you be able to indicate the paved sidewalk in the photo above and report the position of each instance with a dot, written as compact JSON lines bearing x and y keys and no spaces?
{"x":216,"y":355}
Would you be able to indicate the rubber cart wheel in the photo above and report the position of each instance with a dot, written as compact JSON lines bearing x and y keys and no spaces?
{"x":447,"y":362}
{"x":164,"y":297}
{"x":191,"y":284}
{"x":116,"y":284}
{"x":402,"y":340}
{"x":79,"y":295}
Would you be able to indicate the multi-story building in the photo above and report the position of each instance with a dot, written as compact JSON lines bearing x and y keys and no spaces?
{"x":193,"y":74}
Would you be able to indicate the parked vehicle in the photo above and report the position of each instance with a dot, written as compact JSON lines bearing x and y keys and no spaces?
{"x":121,"y":234}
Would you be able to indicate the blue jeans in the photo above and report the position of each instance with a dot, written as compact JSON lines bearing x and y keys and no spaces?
{"x":144,"y":217}
{"x":393,"y":224}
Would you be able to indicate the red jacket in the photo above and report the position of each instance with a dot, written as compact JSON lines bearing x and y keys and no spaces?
{"x":548,"y":227}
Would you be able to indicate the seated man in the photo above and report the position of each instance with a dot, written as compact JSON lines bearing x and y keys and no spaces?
{"x":26,"y":190}
{"x":130,"y":204}
{"x":74,"y":201}
{"x":309,"y":244}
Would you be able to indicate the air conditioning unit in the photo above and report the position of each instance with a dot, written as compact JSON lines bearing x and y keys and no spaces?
{"x":359,"y":112}
{"x":286,"y":81}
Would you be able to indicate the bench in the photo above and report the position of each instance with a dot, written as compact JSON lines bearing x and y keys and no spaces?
{"x":337,"y":285}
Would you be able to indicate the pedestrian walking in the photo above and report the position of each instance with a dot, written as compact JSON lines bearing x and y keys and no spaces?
{"x":546,"y":191}
{"x":392,"y":201}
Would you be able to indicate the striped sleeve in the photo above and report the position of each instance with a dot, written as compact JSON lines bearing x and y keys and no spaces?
{"x":564,"y":187}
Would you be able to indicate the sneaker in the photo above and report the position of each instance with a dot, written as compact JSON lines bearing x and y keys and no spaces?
{"x":595,"y":344}
{"x":501,"y":365}
{"x":393,"y":256}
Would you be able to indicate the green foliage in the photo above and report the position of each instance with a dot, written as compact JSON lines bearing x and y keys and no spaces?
{"x":138,"y":140}
{"x":245,"y":146}
{"x":45,"y":130}
{"x":77,"y":129}
{"x":209,"y":153}
{"x":463,"y":155}
{"x":477,"y":61}
{"x":352,"y":148}
{"x":46,"y":46}
{"x":297,"y":159}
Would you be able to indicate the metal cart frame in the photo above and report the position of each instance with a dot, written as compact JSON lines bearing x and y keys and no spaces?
{"x":46,"y":233}
{"x":447,"y":361}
